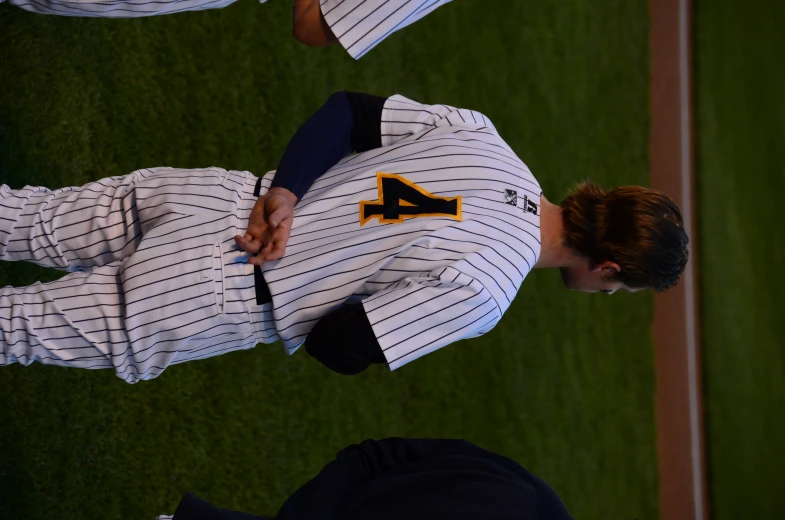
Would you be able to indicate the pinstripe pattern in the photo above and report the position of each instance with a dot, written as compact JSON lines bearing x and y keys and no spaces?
{"x":360,"y":25}
{"x":117,"y":8}
{"x":426,"y":282}
{"x":155,"y":276}
{"x":163,"y":283}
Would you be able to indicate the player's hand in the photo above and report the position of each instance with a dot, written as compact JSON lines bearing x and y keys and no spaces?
{"x":269,"y":226}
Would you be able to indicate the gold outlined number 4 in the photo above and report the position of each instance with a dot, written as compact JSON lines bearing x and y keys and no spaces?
{"x":400,"y":199}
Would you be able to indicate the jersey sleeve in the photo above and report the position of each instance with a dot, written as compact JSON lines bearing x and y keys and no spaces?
{"x":360,"y":25}
{"x":419,"y":315}
{"x":403,"y":118}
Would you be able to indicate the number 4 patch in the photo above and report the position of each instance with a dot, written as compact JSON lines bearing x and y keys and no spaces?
{"x":400,"y":199}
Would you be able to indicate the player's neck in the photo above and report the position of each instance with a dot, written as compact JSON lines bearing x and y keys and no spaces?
{"x":553,"y":252}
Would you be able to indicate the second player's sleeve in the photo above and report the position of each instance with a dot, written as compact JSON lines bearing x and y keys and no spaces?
{"x":419,"y":315}
{"x":360,"y":25}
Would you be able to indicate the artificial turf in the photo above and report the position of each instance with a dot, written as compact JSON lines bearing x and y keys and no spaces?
{"x":740,"y":125}
{"x":565,"y":385}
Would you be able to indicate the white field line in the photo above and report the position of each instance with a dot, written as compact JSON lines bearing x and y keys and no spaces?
{"x":689,"y":285}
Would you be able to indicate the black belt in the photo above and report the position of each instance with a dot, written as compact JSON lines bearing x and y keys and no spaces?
{"x":262,"y":291}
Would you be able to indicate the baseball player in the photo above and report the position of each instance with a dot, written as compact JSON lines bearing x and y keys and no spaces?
{"x":421,"y":238}
{"x":358,"y":25}
{"x":416,"y":479}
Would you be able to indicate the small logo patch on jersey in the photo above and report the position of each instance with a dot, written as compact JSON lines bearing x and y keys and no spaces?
{"x":530,"y":206}
{"x":512,"y":198}
{"x":401,"y":199}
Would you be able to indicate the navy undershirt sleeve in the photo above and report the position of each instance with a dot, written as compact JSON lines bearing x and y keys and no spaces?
{"x":344,"y":341}
{"x":348,"y":122}
{"x":367,"y":130}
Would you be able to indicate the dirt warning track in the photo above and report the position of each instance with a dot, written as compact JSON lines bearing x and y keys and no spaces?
{"x":680,"y":433}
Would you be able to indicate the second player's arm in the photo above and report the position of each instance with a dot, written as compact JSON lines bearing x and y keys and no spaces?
{"x":309,"y":26}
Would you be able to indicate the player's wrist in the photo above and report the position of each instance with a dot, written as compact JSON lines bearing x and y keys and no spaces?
{"x":278,"y":190}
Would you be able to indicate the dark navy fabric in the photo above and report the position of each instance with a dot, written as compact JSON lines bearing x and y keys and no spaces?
{"x":344,"y":341}
{"x":192,"y":507}
{"x":417,"y":479}
{"x":348,"y":122}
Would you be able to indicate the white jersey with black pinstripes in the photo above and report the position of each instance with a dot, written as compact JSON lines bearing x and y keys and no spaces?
{"x":117,"y":8}
{"x":360,"y":25}
{"x":434,"y":233}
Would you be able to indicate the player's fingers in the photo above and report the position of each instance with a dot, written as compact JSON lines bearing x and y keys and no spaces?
{"x":276,"y":253}
{"x":251,"y":245}
{"x":267,"y":247}
{"x":283,"y":231}
{"x":281,"y":237}
{"x":267,"y":236}
{"x":248,"y":245}
{"x":251,"y":235}
{"x":265,"y":244}
{"x":240,"y":241}
{"x":256,"y":227}
{"x":278,"y":216}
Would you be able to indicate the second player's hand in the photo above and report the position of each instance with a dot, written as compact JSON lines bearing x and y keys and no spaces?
{"x":269,"y":226}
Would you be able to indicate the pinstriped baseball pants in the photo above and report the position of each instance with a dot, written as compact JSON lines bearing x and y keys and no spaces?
{"x":155,"y":276}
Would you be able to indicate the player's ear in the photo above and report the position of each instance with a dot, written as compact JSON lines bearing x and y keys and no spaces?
{"x":607,"y":267}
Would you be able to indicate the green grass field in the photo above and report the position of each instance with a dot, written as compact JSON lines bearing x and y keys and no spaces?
{"x":565,"y":385}
{"x":741,"y":123}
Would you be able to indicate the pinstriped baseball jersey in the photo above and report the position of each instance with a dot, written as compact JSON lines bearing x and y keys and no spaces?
{"x":118,"y":8}
{"x":433,"y":233}
{"x":361,"y":24}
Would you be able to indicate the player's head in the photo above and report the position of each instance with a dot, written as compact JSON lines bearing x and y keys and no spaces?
{"x":631,"y":238}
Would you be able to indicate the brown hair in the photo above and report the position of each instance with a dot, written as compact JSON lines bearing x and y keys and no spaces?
{"x":638,"y":228}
